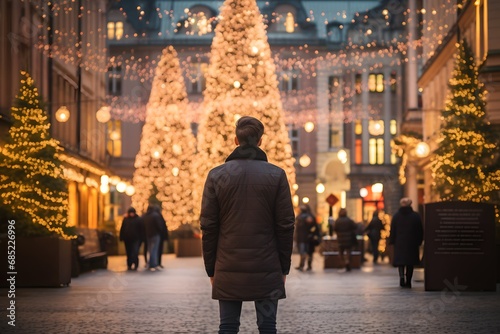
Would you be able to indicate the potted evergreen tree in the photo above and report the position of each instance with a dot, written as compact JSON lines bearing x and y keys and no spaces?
{"x":34,"y":197}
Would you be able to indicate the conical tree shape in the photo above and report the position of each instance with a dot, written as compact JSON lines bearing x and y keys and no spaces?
{"x":167,"y":146}
{"x":465,"y":167}
{"x":31,"y":175}
{"x":241,"y":81}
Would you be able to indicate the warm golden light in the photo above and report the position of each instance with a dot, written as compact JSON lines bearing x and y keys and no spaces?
{"x":304,"y":160}
{"x":309,"y":126}
{"x":103,"y":115}
{"x":320,"y":188}
{"x":363,"y":192}
{"x":422,"y":150}
{"x":121,"y":187}
{"x":342,"y":156}
{"x":62,"y":114}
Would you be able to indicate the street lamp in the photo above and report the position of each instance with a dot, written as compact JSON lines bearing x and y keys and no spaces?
{"x":320,"y":188}
{"x":62,"y":114}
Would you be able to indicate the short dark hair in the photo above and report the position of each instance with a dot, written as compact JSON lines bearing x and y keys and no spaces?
{"x":249,"y":130}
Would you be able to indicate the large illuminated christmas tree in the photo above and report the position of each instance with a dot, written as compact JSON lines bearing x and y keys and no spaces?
{"x":465,"y":167}
{"x":241,"y":81}
{"x":163,"y":164}
{"x":32,"y":188}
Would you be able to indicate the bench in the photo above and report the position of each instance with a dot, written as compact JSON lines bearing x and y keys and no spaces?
{"x":90,"y":252}
{"x":330,"y":251}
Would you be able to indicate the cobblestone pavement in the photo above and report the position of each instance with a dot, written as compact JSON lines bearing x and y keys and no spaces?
{"x":177,"y":300}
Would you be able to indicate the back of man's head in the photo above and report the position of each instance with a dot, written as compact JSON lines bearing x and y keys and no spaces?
{"x":405,"y":201}
{"x":249,"y":130}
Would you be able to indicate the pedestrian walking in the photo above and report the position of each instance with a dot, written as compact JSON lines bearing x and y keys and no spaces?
{"x":345,"y":228}
{"x":154,"y":227}
{"x":373,"y":232}
{"x":406,"y":236}
{"x":307,"y":236}
{"x":247,"y":221}
{"x":131,"y":233}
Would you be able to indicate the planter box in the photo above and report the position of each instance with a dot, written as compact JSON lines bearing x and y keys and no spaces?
{"x":41,"y":262}
{"x":187,"y":247}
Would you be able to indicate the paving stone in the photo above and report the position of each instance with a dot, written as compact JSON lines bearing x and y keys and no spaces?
{"x":177,"y":300}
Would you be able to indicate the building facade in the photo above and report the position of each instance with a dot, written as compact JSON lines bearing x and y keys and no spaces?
{"x":444,"y":25}
{"x":62,"y":45}
{"x":341,"y":70}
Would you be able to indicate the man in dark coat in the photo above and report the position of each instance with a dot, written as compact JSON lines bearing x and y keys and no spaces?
{"x":406,"y":236}
{"x":131,"y":233}
{"x":373,"y":231}
{"x":247,"y":221}
{"x":154,"y":226}
{"x":345,"y":228}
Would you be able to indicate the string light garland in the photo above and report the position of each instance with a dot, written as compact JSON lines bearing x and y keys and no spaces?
{"x":31,"y":174}
{"x":465,"y":166}
{"x":163,"y":164}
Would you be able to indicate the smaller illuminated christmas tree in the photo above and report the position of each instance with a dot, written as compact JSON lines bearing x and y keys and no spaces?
{"x":163,"y":164}
{"x":32,"y":187}
{"x":465,"y":167}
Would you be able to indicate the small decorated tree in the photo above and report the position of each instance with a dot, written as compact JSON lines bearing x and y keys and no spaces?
{"x":32,"y":187}
{"x":163,"y":164}
{"x":466,"y":164}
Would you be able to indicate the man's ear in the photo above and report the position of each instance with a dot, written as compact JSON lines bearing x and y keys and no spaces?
{"x":260,"y":142}
{"x":236,"y":141}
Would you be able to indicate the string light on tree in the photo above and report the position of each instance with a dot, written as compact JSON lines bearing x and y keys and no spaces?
{"x":163,"y":164}
{"x":465,"y":166}
{"x":32,"y":185}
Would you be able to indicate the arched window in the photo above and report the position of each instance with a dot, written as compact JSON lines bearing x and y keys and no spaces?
{"x":334,"y":32}
{"x":198,"y":20}
{"x":284,"y":19}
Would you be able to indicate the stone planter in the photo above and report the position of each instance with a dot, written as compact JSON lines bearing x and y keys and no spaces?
{"x":187,"y":247}
{"x":41,"y":262}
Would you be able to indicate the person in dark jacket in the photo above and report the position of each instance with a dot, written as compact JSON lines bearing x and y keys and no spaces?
{"x":345,"y":228}
{"x":154,"y":226}
{"x":373,"y":231}
{"x":247,"y":220}
{"x":307,"y":236}
{"x":163,"y":236}
{"x":406,"y":236}
{"x":131,"y":233}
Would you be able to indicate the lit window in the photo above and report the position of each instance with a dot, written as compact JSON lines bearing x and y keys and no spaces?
{"x":114,"y":138}
{"x":290,"y":23}
{"x":393,"y":127}
{"x":376,"y":128}
{"x":358,"y":151}
{"x":358,"y":127}
{"x":394,"y":158}
{"x":115,"y":30}
{"x":376,"y":82}
{"x":376,"y":151}
{"x":394,"y":85}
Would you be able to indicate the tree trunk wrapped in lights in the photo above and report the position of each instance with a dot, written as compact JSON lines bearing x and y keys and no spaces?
{"x":32,"y":185}
{"x":167,"y":146}
{"x":241,"y":81}
{"x":466,"y":163}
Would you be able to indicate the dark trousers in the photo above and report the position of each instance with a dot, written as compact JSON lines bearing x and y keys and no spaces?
{"x":342,"y":258}
{"x":160,"y":250}
{"x":132,"y":249}
{"x":374,"y":243}
{"x":230,"y":312}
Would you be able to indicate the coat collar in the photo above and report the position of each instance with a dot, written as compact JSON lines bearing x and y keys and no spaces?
{"x":247,"y":152}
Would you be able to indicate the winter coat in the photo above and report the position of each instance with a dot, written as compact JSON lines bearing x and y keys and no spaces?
{"x":302,"y":226}
{"x":132,"y":229}
{"x":374,"y":227}
{"x":345,"y":228}
{"x":247,"y":221}
{"x":406,"y":236}
{"x":154,"y":224}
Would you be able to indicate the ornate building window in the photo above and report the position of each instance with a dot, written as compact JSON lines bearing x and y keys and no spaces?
{"x":284,"y":19}
{"x":376,"y":82}
{"x":293,"y":133}
{"x":115,"y":30}
{"x":196,"y":77}
{"x":198,"y":20}
{"x":114,"y":138}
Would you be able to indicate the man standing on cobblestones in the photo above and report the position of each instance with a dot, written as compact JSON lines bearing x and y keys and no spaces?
{"x":247,"y":221}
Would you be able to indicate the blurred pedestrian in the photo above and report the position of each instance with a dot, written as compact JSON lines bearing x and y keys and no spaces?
{"x":247,"y":221}
{"x":373,"y":232}
{"x":131,"y":233}
{"x":163,"y":236}
{"x":406,"y":236}
{"x":345,"y":228}
{"x":303,"y":223}
{"x":154,"y":227}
